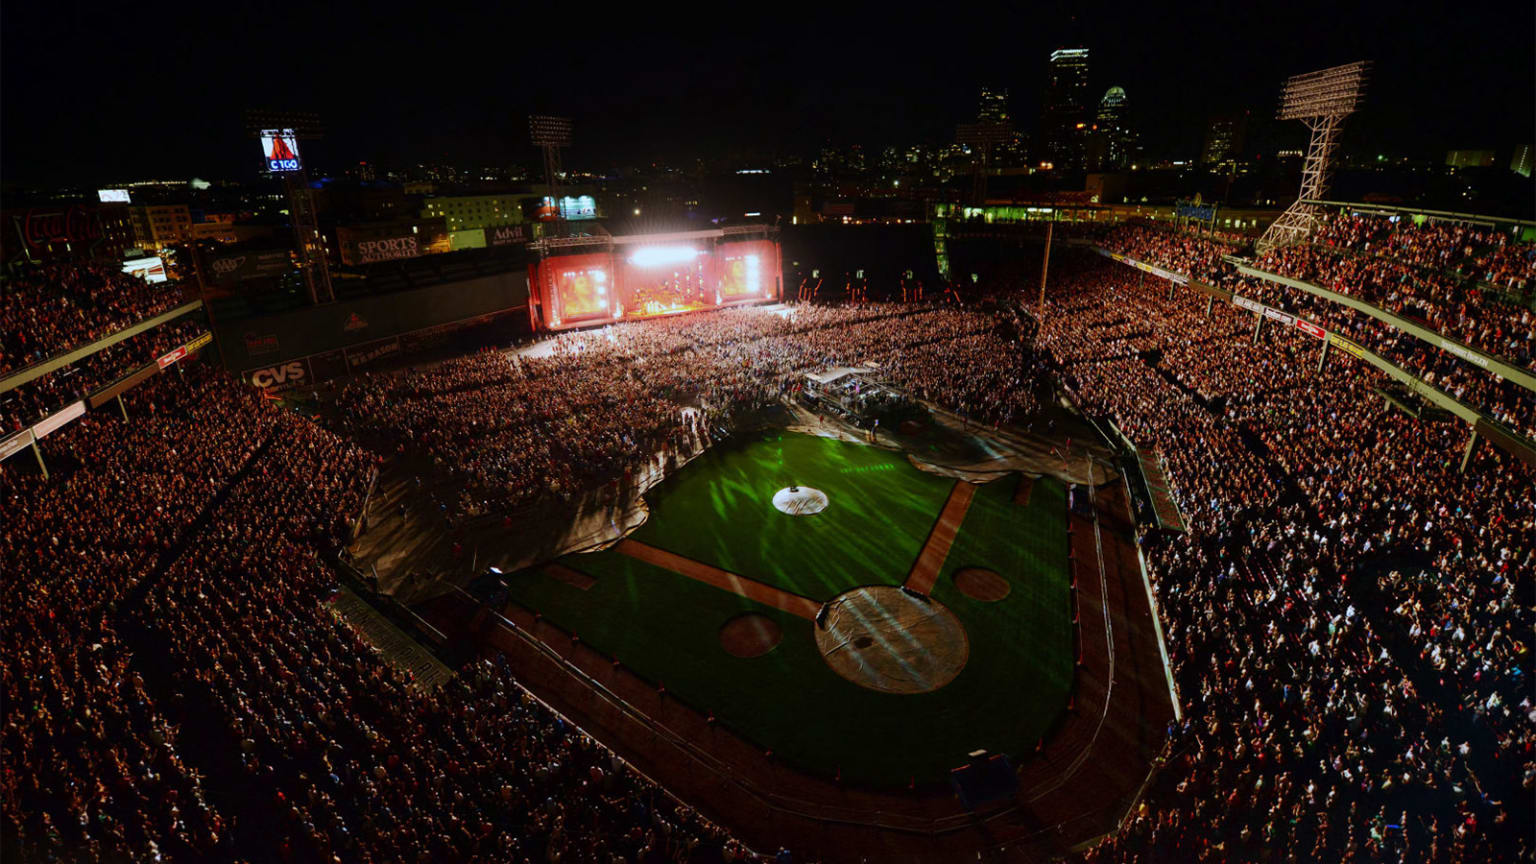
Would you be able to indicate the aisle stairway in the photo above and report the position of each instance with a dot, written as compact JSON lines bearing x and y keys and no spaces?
{"x":399,"y":649}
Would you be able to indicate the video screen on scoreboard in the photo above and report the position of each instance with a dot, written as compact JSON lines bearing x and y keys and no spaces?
{"x":583,"y":292}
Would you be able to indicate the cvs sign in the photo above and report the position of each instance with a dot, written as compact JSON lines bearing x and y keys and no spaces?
{"x":281,"y":377}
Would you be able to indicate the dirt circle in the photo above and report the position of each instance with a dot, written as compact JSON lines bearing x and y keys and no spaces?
{"x":800,"y":500}
{"x":749,"y":635}
{"x":884,"y":639}
{"x":983,"y":585}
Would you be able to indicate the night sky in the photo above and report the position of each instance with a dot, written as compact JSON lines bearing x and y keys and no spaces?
{"x":92,"y":95}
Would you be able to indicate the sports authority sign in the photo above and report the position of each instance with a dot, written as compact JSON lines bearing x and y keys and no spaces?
{"x":364,"y":246}
{"x":281,"y":149}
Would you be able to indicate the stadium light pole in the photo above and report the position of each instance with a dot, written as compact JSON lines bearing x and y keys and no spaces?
{"x":1321,"y":100}
{"x":550,"y":134}
{"x":1045,"y":266}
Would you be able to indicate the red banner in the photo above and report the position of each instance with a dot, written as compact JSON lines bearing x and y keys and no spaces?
{"x":1309,"y":327}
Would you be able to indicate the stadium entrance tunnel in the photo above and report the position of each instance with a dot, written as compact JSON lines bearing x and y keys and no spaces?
{"x":887,"y":639}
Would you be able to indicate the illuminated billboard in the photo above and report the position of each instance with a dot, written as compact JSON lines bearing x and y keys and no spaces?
{"x":572,"y":209}
{"x":281,"y":149}
{"x":580,"y":207}
{"x":112,"y":196}
{"x":150,"y":269}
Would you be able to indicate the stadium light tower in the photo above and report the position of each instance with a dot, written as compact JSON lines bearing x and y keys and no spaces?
{"x":551,"y":133}
{"x":1321,"y":100}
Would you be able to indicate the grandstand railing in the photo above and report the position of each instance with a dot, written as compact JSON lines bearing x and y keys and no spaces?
{"x":1511,"y":441}
{"x":1475,"y":356}
{"x":58,"y":361}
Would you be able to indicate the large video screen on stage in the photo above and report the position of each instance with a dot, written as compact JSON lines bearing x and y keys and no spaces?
{"x":583,"y":287}
{"x":658,"y":280}
{"x":746,"y":270}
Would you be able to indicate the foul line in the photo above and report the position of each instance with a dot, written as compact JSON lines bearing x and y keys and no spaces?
{"x":752,"y":590}
{"x":931,"y":560}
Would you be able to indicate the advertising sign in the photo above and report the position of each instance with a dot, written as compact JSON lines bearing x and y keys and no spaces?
{"x":1309,"y":327}
{"x":58,"y":418}
{"x":112,"y":196}
{"x":15,"y":444}
{"x":362,"y":356}
{"x":1348,"y":346}
{"x":279,"y":377}
{"x":172,"y":357}
{"x":150,"y":269}
{"x":504,"y":235}
{"x":1277,"y":315}
{"x":1250,"y":305}
{"x":580,"y":207}
{"x":249,"y":265}
{"x":281,"y":149}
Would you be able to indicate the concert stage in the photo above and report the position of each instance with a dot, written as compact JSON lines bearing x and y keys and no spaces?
{"x":590,"y":280}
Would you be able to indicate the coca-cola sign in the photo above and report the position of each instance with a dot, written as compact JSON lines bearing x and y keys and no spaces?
{"x":76,"y":224}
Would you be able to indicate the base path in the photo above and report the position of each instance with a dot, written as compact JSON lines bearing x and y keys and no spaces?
{"x":723,"y":579}
{"x":931,"y":560}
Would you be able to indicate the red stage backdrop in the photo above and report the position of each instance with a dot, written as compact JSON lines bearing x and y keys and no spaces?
{"x":576,"y":285}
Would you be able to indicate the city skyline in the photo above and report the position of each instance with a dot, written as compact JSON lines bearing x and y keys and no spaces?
{"x":442,"y":92}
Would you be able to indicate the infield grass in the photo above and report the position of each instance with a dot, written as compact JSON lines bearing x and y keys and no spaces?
{"x":718,"y":510}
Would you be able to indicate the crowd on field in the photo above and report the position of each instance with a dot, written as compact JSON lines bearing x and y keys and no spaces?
{"x":519,"y":429}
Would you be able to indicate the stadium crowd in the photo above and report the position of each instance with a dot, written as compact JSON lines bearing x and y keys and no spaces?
{"x":191,"y":621}
{"x":52,"y":308}
{"x":1349,"y":617}
{"x":39,"y":397}
{"x":516,"y":431}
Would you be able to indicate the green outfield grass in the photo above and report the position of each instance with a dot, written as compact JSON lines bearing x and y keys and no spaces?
{"x":718,"y":510}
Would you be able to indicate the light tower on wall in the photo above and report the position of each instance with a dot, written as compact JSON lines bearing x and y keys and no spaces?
{"x":280,"y":133}
{"x":1321,"y":100}
{"x":550,"y":134}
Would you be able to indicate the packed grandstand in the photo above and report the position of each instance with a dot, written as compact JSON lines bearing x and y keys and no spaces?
{"x":1348,"y":618}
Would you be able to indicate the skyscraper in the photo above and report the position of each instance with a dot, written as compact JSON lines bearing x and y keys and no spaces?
{"x":1064,"y":125}
{"x":994,"y":106}
{"x":1225,"y":138}
{"x":1111,"y":145}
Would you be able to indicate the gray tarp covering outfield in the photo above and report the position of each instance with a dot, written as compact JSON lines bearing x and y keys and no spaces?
{"x":269,"y":339}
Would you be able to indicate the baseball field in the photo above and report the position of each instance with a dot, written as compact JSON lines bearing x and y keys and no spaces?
{"x":717,"y":597}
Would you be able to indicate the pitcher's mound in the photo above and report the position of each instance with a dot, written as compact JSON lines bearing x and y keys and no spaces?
{"x":885,"y":639}
{"x":800,"y":500}
{"x":979,"y":584}
{"x":749,"y":635}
